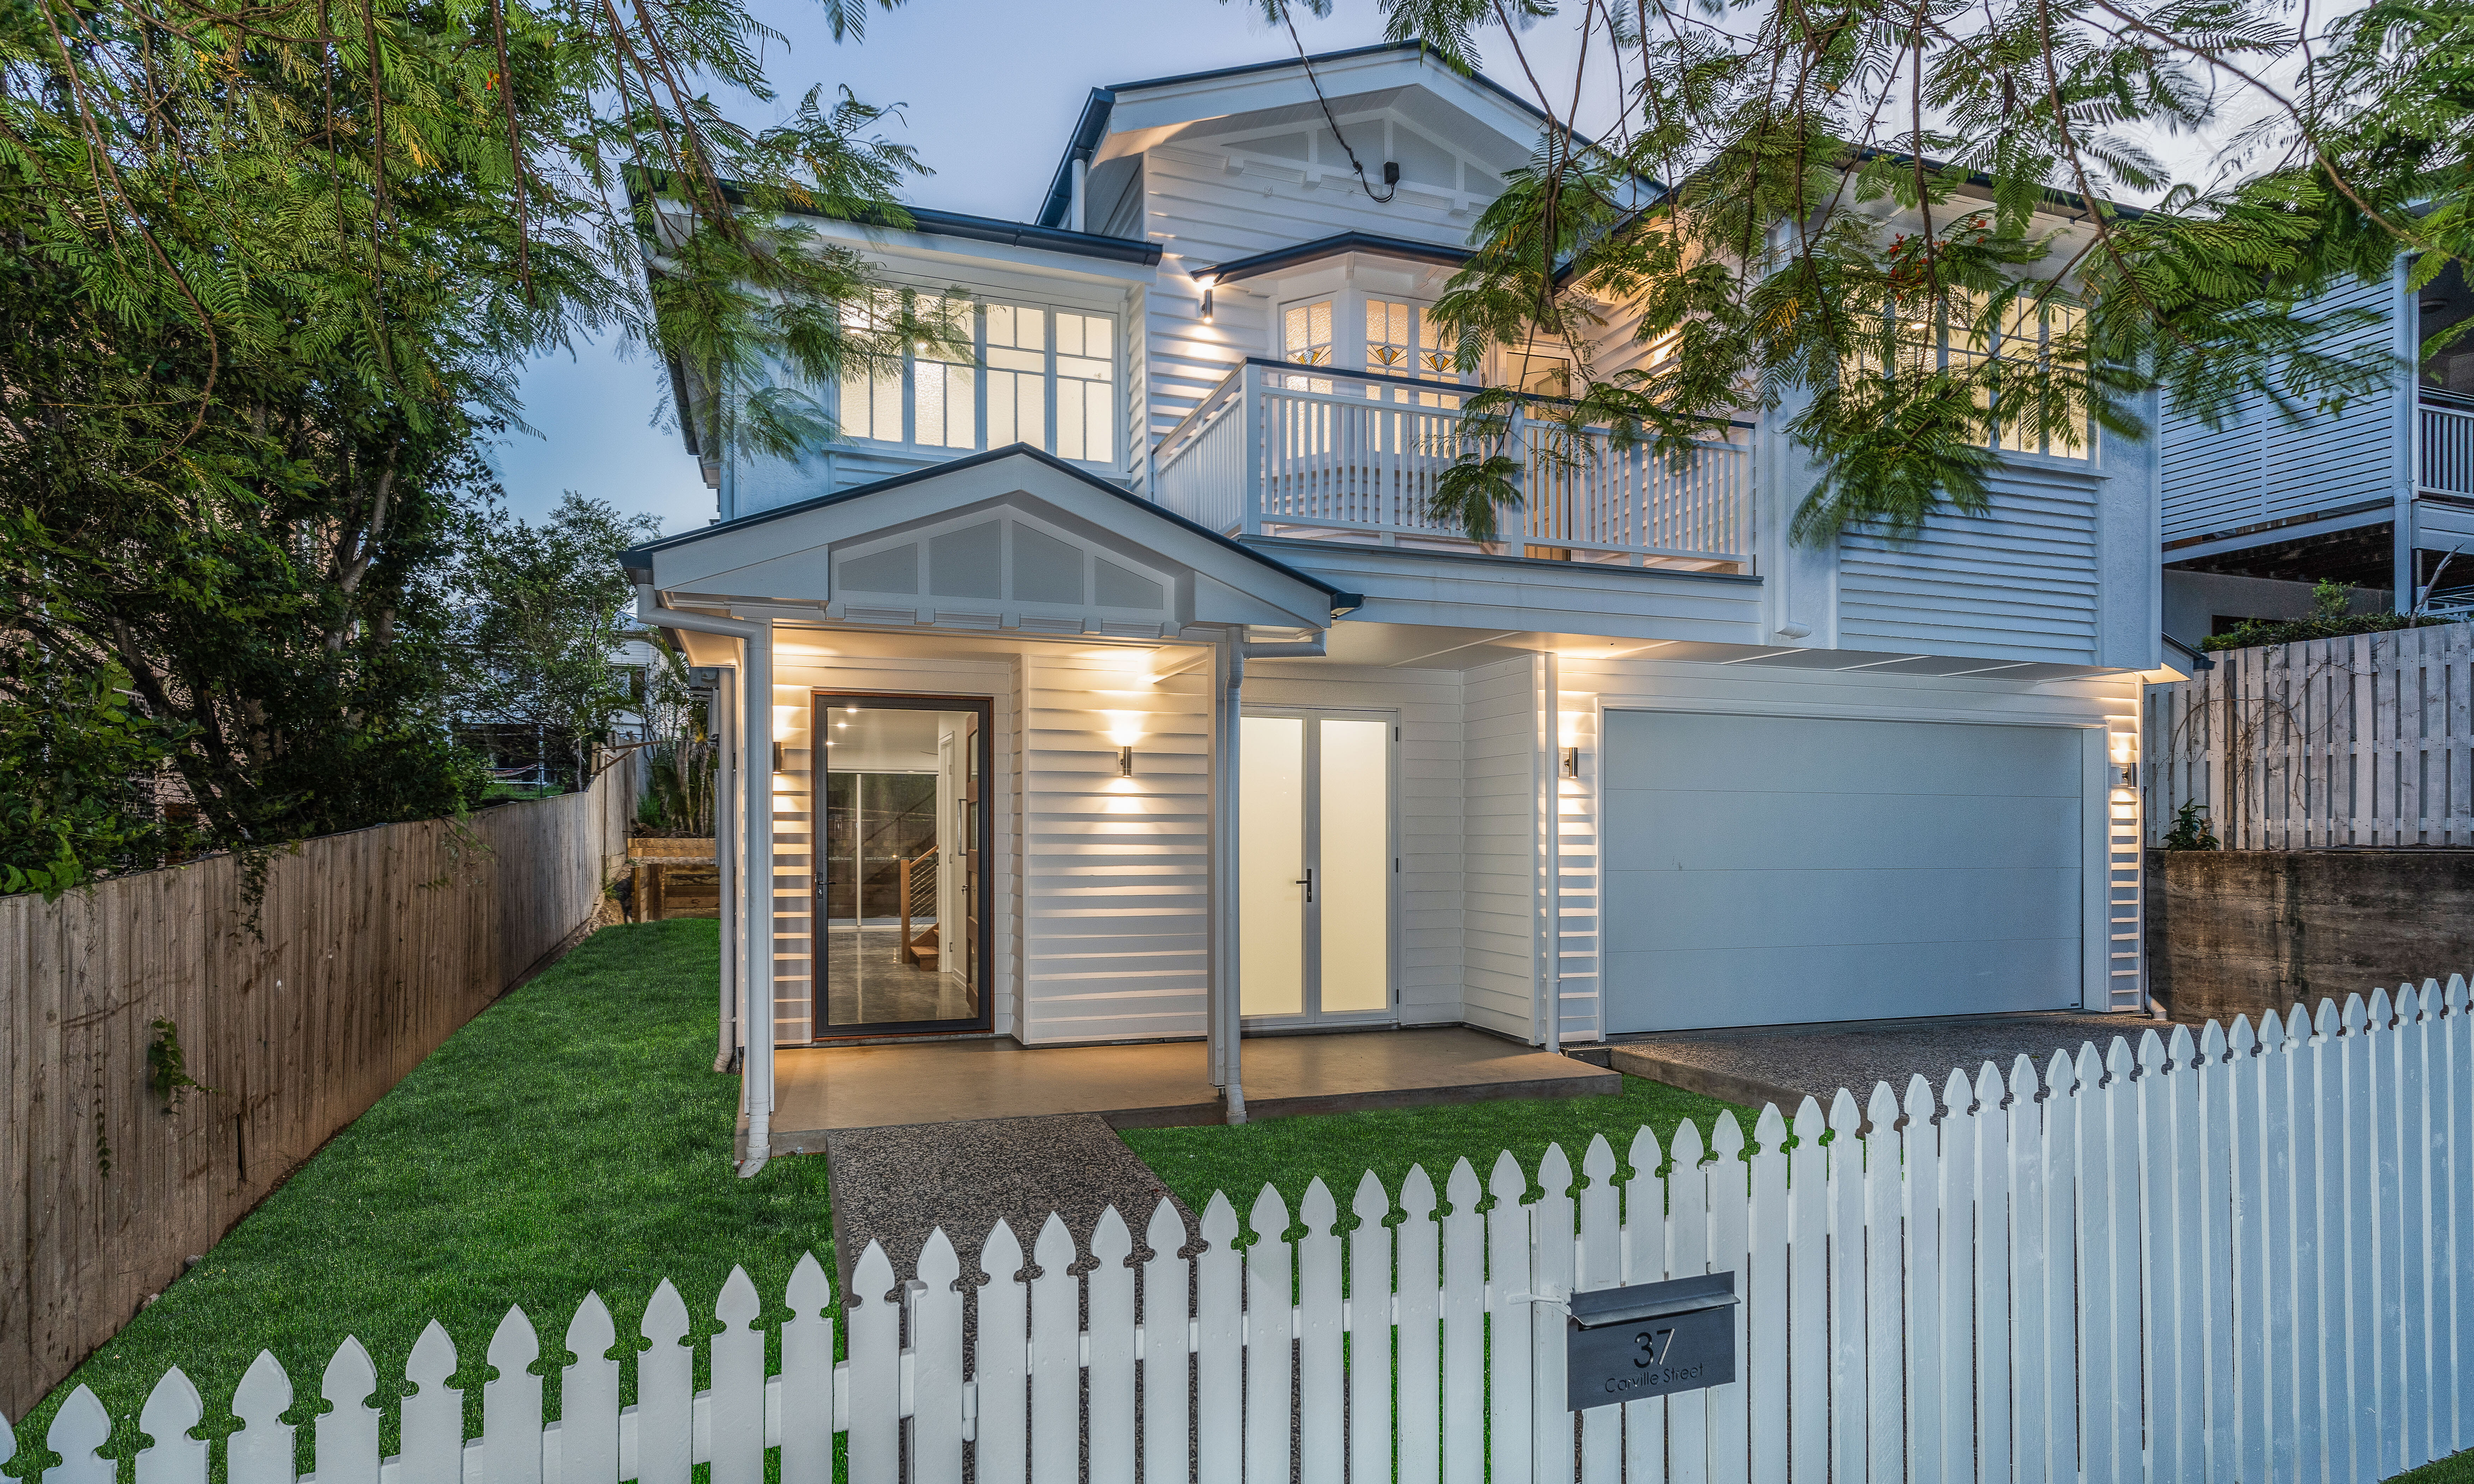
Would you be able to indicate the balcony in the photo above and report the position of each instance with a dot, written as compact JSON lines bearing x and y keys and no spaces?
{"x":1279,"y":449}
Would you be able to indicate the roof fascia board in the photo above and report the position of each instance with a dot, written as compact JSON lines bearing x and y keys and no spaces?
{"x":940,"y":249}
{"x":1344,"y":244}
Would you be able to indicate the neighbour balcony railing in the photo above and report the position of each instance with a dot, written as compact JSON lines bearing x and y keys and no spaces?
{"x":1279,"y":449}
{"x":2447,"y":445}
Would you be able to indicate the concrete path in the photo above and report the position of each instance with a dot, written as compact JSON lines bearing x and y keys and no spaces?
{"x":1783,"y":1064}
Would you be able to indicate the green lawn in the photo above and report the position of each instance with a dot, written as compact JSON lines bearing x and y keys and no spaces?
{"x":1290,"y":1152}
{"x":2455,"y":1468}
{"x":572,"y":1137}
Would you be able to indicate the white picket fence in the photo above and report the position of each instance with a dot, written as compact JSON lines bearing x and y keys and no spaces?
{"x":2237,"y":1258}
{"x":2362,"y":740}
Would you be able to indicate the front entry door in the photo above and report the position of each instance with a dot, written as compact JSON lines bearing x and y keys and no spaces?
{"x":1316,"y":867}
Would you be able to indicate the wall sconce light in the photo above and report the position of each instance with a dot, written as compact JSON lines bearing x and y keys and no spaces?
{"x":1126,"y":761}
{"x":1206,"y":285}
{"x":777,"y":757}
{"x":2130,"y":775}
{"x":1571,"y":768}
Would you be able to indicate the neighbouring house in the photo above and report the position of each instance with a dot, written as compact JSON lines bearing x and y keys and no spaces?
{"x":1116,"y":685}
{"x":2376,"y":496}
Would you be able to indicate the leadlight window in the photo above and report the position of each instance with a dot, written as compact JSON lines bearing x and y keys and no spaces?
{"x":1306,"y":333}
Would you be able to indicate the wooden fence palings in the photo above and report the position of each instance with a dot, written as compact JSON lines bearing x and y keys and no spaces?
{"x":2235,"y":1255}
{"x":2364,"y":740}
{"x":372,"y":948}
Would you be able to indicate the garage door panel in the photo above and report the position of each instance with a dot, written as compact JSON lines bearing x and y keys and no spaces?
{"x":1835,"y":755}
{"x":1786,"y":986}
{"x":1785,"y":870}
{"x":1722,"y":909}
{"x":1671,"y":829}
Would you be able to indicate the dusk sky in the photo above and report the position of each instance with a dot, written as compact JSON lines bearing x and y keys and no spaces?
{"x":991,"y":89}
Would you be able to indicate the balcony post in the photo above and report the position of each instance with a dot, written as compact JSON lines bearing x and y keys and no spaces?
{"x":1249,"y":514}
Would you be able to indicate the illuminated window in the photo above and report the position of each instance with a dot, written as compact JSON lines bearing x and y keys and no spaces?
{"x":1017,"y":360}
{"x":1043,"y":378}
{"x":1306,"y":333}
{"x":1087,"y":424}
{"x":946,"y":391}
{"x":871,"y":393}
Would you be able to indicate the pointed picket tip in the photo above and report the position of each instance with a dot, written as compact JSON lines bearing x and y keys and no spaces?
{"x":2212,"y":1042}
{"x":1845,"y":1117}
{"x":872,"y":1277}
{"x":1647,"y":1155}
{"x":2353,"y":1014}
{"x":1054,"y":1249}
{"x":941,"y":1267}
{"x":434,"y":1360}
{"x":1957,"y":1093}
{"x":1220,"y":1221}
{"x":2061,"y":1073}
{"x":2409,"y":1004}
{"x":1318,"y":1210}
{"x":2151,"y":1052}
{"x":2298,"y":1023}
{"x":1769,"y":1129}
{"x":1882,"y":1111}
{"x":2457,"y":989}
{"x":2023,"y":1081}
{"x":2091,"y":1066}
{"x":2272,"y":1030}
{"x":739,"y":1305}
{"x":80,"y":1427}
{"x":174,"y":1406}
{"x":1727,"y":1136}
{"x":1269,"y":1216}
{"x":1988,"y":1088}
{"x":2239,"y":1040}
{"x":1554,"y":1171}
{"x":2117,"y":1058}
{"x":2324,"y":1025}
{"x":2179,"y":1049}
{"x":1166,"y":1234}
{"x":1001,"y":1255}
{"x":2383,"y":1009}
{"x":513,"y":1345}
{"x":1506,"y":1182}
{"x":1685,"y":1147}
{"x":1461,"y":1188}
{"x":811,"y":1289}
{"x":1809,"y":1124}
{"x":1111,"y":1242}
{"x":1417,"y":1192}
{"x":1598,"y":1161}
{"x":1918,"y":1104}
{"x":1370,"y":1204}
{"x":665,"y":1317}
{"x":264,"y":1393}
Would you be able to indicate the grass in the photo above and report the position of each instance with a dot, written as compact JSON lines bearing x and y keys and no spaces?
{"x":1288,"y":1154}
{"x":573,"y":1138}
{"x":2455,"y":1469}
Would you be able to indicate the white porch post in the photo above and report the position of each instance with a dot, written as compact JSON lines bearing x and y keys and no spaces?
{"x":725,"y":727}
{"x":757,"y":706}
{"x":1221,"y":1020}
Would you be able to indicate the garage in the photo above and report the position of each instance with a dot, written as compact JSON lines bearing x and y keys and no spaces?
{"x":1784,"y":869}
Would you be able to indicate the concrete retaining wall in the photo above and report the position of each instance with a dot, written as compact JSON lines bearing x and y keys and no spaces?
{"x":2240,"y":932}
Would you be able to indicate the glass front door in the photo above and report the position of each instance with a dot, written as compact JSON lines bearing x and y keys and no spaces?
{"x":1316,"y":867}
{"x":900,"y":890}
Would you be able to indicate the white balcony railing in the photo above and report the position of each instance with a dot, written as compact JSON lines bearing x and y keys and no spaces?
{"x":2447,"y":445}
{"x":1279,"y":449}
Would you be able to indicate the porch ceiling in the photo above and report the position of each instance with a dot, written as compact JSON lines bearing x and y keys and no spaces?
{"x":1429,"y":647}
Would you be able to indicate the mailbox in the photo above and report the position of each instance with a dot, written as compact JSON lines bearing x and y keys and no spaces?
{"x":1650,"y":1340}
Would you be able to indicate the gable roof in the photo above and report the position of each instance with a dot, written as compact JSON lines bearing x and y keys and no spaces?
{"x":637,"y":560}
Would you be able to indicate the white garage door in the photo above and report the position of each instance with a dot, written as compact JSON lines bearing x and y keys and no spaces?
{"x":1773,"y":871}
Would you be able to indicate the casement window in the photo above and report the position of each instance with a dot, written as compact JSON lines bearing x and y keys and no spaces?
{"x":1038,"y":377}
{"x":1306,"y":333}
{"x":1929,"y":336}
{"x":1401,"y":340}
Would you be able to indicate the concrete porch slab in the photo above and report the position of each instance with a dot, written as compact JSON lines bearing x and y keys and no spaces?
{"x":824,"y":1089}
{"x":1784,"y":1064}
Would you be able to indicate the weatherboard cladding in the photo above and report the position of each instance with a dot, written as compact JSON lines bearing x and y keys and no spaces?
{"x":2016,"y":582}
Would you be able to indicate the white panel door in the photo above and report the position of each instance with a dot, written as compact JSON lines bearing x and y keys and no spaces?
{"x":1775,"y":871}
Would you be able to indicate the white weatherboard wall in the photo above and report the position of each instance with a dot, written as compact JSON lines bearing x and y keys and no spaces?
{"x":2243,"y":1254}
{"x":1097,"y":890}
{"x":1499,"y":925}
{"x":2109,"y":890}
{"x":2017,"y":583}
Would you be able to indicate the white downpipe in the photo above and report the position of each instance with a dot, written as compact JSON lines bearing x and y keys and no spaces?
{"x":1223,"y":1024}
{"x":1079,"y":216}
{"x":725,"y":829}
{"x":756,"y":736}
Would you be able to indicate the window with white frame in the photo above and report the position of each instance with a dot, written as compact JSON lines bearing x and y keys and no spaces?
{"x":2021,"y":345}
{"x":1039,"y":376}
{"x":1306,"y":333}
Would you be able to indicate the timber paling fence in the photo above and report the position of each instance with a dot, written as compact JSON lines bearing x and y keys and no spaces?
{"x":2364,"y":740}
{"x":368,"y":949}
{"x":2246,"y":1255}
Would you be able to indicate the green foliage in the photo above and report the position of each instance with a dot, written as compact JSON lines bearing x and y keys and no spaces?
{"x":2330,"y":617}
{"x":2191,"y":830}
{"x":76,"y":757}
{"x":1889,"y":226}
{"x":167,"y":1068}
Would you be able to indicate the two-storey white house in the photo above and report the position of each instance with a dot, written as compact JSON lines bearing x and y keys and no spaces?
{"x":1118,"y":683}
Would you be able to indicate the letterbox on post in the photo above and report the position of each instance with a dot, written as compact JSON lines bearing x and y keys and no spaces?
{"x":1651,"y":1340}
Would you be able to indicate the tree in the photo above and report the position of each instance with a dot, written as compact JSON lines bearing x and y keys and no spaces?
{"x":545,"y":608}
{"x":1802,"y":205}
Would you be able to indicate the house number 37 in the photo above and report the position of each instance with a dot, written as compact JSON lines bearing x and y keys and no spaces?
{"x":1654,"y":1344}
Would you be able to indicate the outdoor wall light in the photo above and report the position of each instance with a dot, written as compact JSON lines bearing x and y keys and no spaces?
{"x":1126,"y":761}
{"x":1571,"y":768}
{"x":777,"y":758}
{"x":1206,"y":284}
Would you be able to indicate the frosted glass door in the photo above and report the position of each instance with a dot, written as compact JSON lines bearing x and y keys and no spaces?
{"x":1270,"y":865}
{"x":1315,"y":867}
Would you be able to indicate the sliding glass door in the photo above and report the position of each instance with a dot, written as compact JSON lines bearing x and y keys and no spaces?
{"x":1317,"y":866}
{"x":901,"y":864}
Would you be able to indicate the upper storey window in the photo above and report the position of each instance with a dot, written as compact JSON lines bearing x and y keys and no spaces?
{"x":1401,"y":341}
{"x":1306,"y":333}
{"x":1046,"y":377}
{"x":2024,"y":343}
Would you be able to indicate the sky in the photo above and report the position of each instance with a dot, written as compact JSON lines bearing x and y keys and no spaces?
{"x":990,"y":90}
